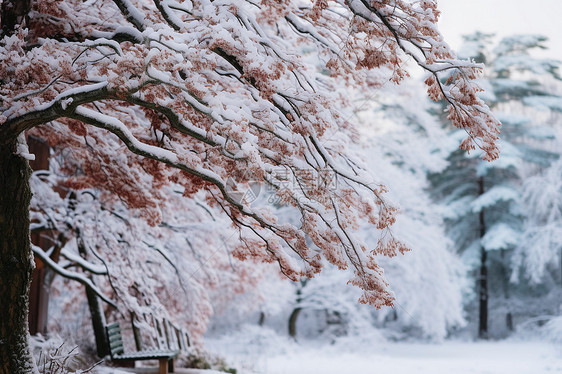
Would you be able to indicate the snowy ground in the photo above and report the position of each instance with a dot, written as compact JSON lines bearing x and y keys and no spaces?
{"x":254,"y":350}
{"x":457,"y":358}
{"x":505,"y":357}
{"x":502,"y":357}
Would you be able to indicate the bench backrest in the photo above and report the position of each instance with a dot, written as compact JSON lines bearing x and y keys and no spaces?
{"x":114,"y":338}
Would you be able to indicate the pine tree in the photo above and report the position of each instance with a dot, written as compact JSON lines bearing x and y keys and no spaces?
{"x":483,"y":201}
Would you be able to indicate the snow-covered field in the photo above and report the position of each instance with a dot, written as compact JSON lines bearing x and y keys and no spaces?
{"x":503,"y":357}
{"x":353,"y":357}
{"x":449,"y":358}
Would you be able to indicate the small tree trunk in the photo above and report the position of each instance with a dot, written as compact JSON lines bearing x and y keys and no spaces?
{"x":96,"y":308}
{"x":16,"y":262}
{"x":42,"y":276}
{"x":506,"y":293}
{"x":293,"y":322}
{"x":483,"y":296}
{"x":509,"y":321}
{"x":295,"y":314}
{"x":483,"y":280}
{"x":98,"y":322}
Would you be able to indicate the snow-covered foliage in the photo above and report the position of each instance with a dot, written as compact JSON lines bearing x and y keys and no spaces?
{"x":538,"y":254}
{"x":168,"y":271}
{"x":553,"y":330}
{"x":54,"y":355}
{"x":216,"y":91}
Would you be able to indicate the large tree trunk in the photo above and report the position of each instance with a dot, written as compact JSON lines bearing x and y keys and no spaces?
{"x":483,"y":279}
{"x":16,"y":262}
{"x":16,"y":258}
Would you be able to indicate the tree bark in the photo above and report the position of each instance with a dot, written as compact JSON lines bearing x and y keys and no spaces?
{"x":14,"y":13}
{"x":16,"y":262}
{"x":483,"y":279}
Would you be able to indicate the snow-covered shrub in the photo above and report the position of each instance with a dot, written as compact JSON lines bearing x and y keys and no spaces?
{"x":54,"y":355}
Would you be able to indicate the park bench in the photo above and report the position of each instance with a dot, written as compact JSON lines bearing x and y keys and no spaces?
{"x":115,"y":342}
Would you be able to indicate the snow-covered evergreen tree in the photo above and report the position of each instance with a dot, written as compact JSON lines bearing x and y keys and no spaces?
{"x":538,"y":255}
{"x":483,"y":200}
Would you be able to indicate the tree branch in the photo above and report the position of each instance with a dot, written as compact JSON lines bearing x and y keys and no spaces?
{"x":61,"y":105}
{"x":70,"y":275}
{"x":131,"y":13}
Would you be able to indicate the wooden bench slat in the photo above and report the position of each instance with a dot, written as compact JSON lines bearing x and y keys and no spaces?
{"x":114,"y":329}
{"x":147,"y":355}
{"x":114,"y":338}
{"x":115,"y":341}
{"x":116,"y":347}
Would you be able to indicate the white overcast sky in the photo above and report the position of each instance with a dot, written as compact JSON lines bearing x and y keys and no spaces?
{"x":502,"y":17}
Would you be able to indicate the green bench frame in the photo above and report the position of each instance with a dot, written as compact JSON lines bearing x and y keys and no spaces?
{"x":117,"y":353}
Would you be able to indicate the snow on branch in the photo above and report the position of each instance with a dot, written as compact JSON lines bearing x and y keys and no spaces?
{"x":131,"y":13}
{"x":418,"y":37}
{"x":70,"y":275}
{"x":20,"y":118}
{"x":88,"y":266}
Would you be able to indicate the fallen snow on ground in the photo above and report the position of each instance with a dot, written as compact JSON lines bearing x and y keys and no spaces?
{"x":270,"y":354}
{"x":449,"y":358}
{"x":504,"y":357}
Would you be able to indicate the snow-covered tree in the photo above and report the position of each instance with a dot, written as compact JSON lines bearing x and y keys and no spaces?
{"x":428,"y":282}
{"x":538,"y":255}
{"x":211,"y":95}
{"x":483,"y":200}
{"x":166,"y":271}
